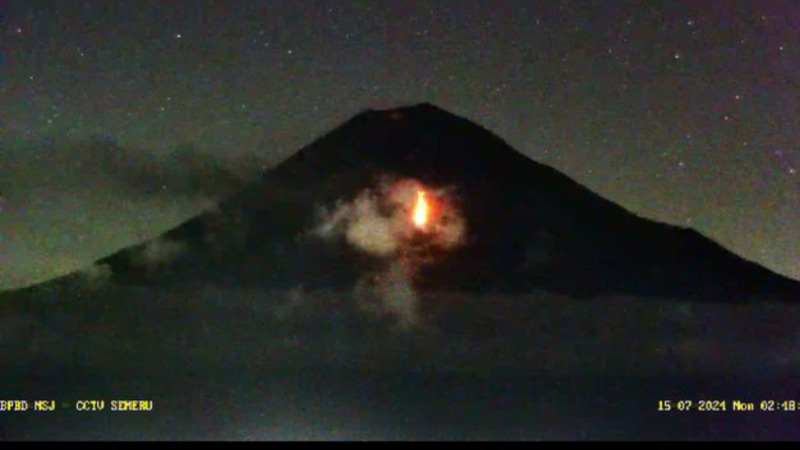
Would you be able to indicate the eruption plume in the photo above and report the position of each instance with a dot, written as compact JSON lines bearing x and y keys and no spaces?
{"x":386,"y":223}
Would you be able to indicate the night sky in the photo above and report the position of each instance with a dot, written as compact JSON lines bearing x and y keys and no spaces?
{"x":119,"y":118}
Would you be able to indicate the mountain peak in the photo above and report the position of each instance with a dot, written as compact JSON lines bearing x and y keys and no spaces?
{"x":409,"y":111}
{"x":421,"y":140}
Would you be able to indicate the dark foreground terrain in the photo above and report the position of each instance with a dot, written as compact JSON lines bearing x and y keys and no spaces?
{"x":341,"y":405}
{"x":316,"y":368}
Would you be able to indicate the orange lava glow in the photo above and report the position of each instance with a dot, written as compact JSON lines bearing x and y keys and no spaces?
{"x":422,"y":211}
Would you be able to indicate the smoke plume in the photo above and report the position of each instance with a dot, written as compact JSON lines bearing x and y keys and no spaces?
{"x":378,"y":223}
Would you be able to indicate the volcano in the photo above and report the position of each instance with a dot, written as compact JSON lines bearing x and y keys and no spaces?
{"x":530,"y":226}
{"x":515,"y":267}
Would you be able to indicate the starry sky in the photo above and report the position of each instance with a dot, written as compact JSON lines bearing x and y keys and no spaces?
{"x":119,"y":119}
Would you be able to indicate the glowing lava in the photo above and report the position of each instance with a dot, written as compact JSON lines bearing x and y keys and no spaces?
{"x":422,"y":210}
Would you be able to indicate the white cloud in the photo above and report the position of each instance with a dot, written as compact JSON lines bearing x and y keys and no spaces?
{"x":96,"y":274}
{"x":379,"y":223}
{"x":158,"y":252}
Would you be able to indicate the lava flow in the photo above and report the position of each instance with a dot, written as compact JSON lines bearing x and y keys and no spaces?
{"x":422,"y":210}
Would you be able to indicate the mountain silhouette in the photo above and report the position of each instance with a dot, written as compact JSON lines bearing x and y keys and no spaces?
{"x":529,"y":226}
